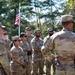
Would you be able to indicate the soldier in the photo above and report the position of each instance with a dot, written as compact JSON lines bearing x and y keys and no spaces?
{"x":7,"y":42}
{"x":63,"y":42}
{"x":37,"y":57}
{"x":17,"y":64}
{"x":3,"y":52}
{"x":46,"y":41}
{"x":28,"y":31}
{"x":27,"y":52}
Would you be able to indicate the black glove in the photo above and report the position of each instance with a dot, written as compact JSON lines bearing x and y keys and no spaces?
{"x":29,"y":53}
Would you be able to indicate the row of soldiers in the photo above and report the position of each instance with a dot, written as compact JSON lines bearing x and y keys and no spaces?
{"x":22,"y":55}
{"x":27,"y":51}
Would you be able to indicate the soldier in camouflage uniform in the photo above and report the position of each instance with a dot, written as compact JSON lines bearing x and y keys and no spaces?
{"x":7,"y":42}
{"x":37,"y":57}
{"x":28,"y":31}
{"x":27,"y":53}
{"x":17,"y":64}
{"x":46,"y":41}
{"x":63,"y":42}
{"x":3,"y":52}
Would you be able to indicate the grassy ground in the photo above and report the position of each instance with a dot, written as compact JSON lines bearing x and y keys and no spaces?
{"x":68,"y":71}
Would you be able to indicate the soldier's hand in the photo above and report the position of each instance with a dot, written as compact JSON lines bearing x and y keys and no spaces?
{"x":43,"y":50}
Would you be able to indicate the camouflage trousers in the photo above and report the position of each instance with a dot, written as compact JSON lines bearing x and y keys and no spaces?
{"x":5,"y":64}
{"x":48,"y":67}
{"x":38,"y":67}
{"x":28,"y":61}
{"x":65,"y":68}
{"x":17,"y":69}
{"x":28,"y":68}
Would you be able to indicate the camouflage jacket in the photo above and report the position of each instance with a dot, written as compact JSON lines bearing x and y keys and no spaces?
{"x":17,"y":55}
{"x":29,"y":40}
{"x":2,"y":46}
{"x":62,"y":42}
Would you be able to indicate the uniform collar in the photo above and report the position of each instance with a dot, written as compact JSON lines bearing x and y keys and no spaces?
{"x":64,"y":29}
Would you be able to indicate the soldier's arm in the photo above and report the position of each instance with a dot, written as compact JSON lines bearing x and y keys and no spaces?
{"x":47,"y":48}
{"x":19,"y":59}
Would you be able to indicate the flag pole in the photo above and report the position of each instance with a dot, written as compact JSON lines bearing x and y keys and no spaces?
{"x":19,"y":22}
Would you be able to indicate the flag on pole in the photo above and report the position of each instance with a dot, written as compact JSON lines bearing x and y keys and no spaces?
{"x":17,"y":19}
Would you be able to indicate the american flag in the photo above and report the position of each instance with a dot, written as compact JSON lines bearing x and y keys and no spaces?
{"x":17,"y":19}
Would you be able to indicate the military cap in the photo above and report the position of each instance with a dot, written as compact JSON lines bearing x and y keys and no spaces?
{"x":1,"y":25}
{"x":15,"y":38}
{"x":37,"y":31}
{"x":28,"y":28}
{"x":49,"y":30}
{"x":23,"y":34}
{"x":66,"y":18}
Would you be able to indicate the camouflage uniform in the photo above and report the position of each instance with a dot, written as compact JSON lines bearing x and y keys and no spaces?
{"x":29,"y":42}
{"x":48,"y":63}
{"x":7,"y":43}
{"x":63,"y":43}
{"x":3,"y":55}
{"x":37,"y":57}
{"x":29,"y":38}
{"x":26,"y":48}
{"x":17,"y":64}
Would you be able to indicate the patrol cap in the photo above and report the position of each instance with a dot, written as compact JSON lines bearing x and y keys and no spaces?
{"x":1,"y":25}
{"x":37,"y":31}
{"x":66,"y":18}
{"x":28,"y":28}
{"x":16,"y":38}
{"x":49,"y":30}
{"x":23,"y":34}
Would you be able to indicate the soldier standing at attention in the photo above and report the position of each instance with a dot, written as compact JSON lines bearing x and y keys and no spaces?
{"x":50,"y":32}
{"x":63,"y":42}
{"x":28,"y":31}
{"x":37,"y":57}
{"x":3,"y":52}
{"x":26,"y":48}
{"x":17,"y":64}
{"x":30,"y":36}
{"x":7,"y":42}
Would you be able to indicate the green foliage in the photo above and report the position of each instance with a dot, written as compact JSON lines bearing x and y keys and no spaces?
{"x":32,"y":14}
{"x":71,"y":9}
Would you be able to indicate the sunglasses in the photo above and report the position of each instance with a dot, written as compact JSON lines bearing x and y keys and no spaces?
{"x":25,"y":36}
{"x":17,"y":40}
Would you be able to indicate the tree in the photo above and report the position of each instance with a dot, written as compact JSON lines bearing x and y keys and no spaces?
{"x":71,"y":9}
{"x":34,"y":13}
